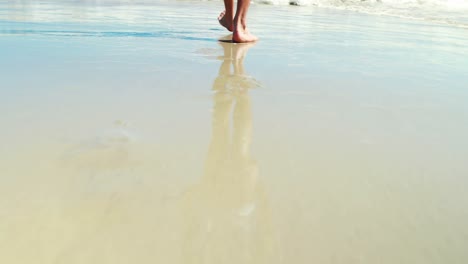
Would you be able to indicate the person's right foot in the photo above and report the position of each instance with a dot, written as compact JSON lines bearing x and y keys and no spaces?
{"x":243,"y":36}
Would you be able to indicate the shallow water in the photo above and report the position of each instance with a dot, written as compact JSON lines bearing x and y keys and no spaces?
{"x":131,"y":135}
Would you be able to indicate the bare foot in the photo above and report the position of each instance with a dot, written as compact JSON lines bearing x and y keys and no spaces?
{"x":225,"y":22}
{"x":243,"y":36}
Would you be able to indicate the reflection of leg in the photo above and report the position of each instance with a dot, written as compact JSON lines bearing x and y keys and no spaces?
{"x":224,"y":71}
{"x":242,"y":127}
{"x":222,"y":105}
{"x":247,"y":175}
{"x":225,"y":68}
{"x":223,"y":101}
{"x":243,"y":81}
{"x":242,"y":112}
{"x":239,"y":52}
{"x":221,"y":116}
{"x":239,"y":67}
{"x":240,"y":33}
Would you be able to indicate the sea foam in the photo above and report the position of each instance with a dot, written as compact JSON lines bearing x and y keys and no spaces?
{"x":450,"y":12}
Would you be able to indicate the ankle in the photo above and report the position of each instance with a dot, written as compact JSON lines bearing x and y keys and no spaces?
{"x":243,"y":23}
{"x":238,"y":27}
{"x":236,"y":22}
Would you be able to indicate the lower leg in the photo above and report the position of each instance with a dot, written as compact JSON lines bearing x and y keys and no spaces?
{"x":226,"y":17}
{"x":240,"y":33}
{"x":241,"y":14}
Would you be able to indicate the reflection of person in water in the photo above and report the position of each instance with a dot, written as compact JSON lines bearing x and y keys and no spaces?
{"x":228,"y":215}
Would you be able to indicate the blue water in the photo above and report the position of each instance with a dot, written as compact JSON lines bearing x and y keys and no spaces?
{"x":307,"y":39}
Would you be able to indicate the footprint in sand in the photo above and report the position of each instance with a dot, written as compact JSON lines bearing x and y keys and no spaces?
{"x":106,"y":160}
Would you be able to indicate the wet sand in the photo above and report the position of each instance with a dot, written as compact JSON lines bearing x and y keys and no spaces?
{"x":129,"y":137}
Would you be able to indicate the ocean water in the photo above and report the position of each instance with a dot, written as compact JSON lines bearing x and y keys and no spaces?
{"x":451,"y":12}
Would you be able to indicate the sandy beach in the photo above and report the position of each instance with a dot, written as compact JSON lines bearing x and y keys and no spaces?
{"x":130,"y":134}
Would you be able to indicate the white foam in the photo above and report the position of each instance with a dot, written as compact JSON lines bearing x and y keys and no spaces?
{"x":397,"y":3}
{"x":449,"y":12}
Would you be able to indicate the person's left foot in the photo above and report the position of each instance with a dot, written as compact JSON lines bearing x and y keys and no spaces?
{"x":225,"y":22}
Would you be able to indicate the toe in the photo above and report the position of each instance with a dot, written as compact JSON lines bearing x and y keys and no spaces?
{"x":221,"y":15}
